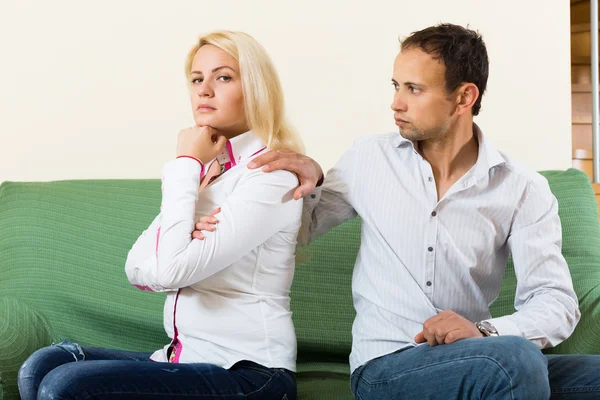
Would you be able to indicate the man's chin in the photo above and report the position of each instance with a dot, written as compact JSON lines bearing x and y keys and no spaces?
{"x":408,"y":135}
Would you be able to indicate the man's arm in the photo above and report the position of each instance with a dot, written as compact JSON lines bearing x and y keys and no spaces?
{"x":546,"y":304}
{"x":324,"y":207}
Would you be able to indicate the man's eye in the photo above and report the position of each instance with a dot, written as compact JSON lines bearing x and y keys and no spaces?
{"x":414,"y":90}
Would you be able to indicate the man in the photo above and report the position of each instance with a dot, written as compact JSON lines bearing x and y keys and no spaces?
{"x":441,"y":211}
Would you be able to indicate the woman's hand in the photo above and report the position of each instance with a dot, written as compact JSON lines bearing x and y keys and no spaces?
{"x":201,"y":142}
{"x":206,"y":223}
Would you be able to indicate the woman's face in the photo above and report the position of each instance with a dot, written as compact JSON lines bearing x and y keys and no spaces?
{"x":216,"y":94}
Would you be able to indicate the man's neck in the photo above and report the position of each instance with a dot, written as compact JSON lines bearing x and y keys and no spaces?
{"x":452,"y":155}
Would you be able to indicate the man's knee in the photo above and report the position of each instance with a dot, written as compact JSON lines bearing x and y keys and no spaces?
{"x":521,"y":363}
{"x":515,"y":352}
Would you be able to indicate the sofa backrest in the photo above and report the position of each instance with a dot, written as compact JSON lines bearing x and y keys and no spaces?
{"x":62,"y":251}
{"x":63,"y":247}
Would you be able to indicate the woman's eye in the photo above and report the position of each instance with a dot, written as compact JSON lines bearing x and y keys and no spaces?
{"x":224,"y":78}
{"x":197,"y":80}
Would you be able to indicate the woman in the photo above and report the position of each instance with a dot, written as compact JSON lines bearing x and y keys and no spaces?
{"x":227,"y":309}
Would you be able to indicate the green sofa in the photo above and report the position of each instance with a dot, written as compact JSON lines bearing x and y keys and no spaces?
{"x":63,"y":247}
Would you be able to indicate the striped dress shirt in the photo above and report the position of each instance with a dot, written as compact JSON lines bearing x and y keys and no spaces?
{"x":420,"y":255}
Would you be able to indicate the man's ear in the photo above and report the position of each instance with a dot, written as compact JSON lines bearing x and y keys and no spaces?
{"x":468,"y":94}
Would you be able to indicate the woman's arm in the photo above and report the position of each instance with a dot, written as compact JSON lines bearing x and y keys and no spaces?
{"x":140,"y":266}
{"x":260,"y":206}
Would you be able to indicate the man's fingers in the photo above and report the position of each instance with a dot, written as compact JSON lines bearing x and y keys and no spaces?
{"x":440,"y":337}
{"x":456,"y":335}
{"x":282,"y":163}
{"x":431,"y":340}
{"x":263,"y":159}
{"x":304,"y":189}
{"x":420,"y":338}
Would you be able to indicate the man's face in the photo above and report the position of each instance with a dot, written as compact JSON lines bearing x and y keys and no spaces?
{"x":423,"y":109}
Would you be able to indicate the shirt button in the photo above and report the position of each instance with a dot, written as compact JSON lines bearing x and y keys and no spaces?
{"x":433,"y":214}
{"x":430,"y":179}
{"x":430,"y":248}
{"x":428,"y":283}
{"x":312,"y":196}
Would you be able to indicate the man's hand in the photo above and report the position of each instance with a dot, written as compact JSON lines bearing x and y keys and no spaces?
{"x":447,"y":327}
{"x":201,"y":142}
{"x":307,"y":169}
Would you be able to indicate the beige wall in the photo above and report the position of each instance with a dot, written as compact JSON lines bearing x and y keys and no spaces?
{"x":95,"y":89}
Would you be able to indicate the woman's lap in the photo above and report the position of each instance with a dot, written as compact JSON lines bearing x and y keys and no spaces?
{"x":114,"y":374}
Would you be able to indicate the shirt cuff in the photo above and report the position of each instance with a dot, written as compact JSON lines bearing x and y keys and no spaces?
{"x":183,"y":168}
{"x":313,"y":198}
{"x":505,"y":326}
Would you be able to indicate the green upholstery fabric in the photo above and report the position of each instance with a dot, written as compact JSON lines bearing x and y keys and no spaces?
{"x":63,"y":246}
{"x":62,"y":252}
{"x":22,"y":331}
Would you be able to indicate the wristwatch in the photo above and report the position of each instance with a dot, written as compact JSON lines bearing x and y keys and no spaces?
{"x":486,"y":328}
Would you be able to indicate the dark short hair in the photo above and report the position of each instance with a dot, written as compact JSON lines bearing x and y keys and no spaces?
{"x":461,"y":50}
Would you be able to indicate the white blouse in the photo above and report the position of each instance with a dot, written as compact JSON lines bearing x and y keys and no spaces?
{"x":227,"y":295}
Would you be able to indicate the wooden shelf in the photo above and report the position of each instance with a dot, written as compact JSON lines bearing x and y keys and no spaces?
{"x":581,"y":88}
{"x":580,"y":28}
{"x":581,"y":60}
{"x":581,"y":119}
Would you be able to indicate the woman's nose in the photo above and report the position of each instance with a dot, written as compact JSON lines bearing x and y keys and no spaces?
{"x":204,"y":89}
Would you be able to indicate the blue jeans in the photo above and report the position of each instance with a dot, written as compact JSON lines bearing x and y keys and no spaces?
{"x":506,"y":367}
{"x":68,"y":371}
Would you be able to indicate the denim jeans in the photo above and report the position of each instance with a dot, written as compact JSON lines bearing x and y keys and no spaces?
{"x":68,"y":371}
{"x":506,"y":367}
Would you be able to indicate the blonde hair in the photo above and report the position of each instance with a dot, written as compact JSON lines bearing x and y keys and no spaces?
{"x":263,"y":97}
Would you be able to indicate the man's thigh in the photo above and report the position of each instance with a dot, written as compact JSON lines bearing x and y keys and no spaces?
{"x":498,"y":367}
{"x":574,"y":376}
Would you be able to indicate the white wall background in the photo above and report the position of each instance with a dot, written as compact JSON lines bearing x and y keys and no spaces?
{"x":95,"y":89}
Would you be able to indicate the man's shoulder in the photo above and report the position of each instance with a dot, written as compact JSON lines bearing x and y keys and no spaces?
{"x":520,"y":171}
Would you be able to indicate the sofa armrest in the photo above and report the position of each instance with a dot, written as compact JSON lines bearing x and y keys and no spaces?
{"x":22,"y":331}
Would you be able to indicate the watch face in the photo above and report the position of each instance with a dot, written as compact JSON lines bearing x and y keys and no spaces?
{"x":487,"y":328}
{"x":487,"y":325}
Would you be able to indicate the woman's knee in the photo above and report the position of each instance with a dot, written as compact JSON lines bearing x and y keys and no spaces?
{"x":43,"y":361}
{"x":59,"y":383}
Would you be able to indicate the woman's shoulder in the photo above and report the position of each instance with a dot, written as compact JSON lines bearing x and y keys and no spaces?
{"x":278,"y":177}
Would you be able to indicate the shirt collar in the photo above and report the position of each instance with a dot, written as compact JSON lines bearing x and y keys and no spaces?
{"x":487,"y":158}
{"x":240,"y":148}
